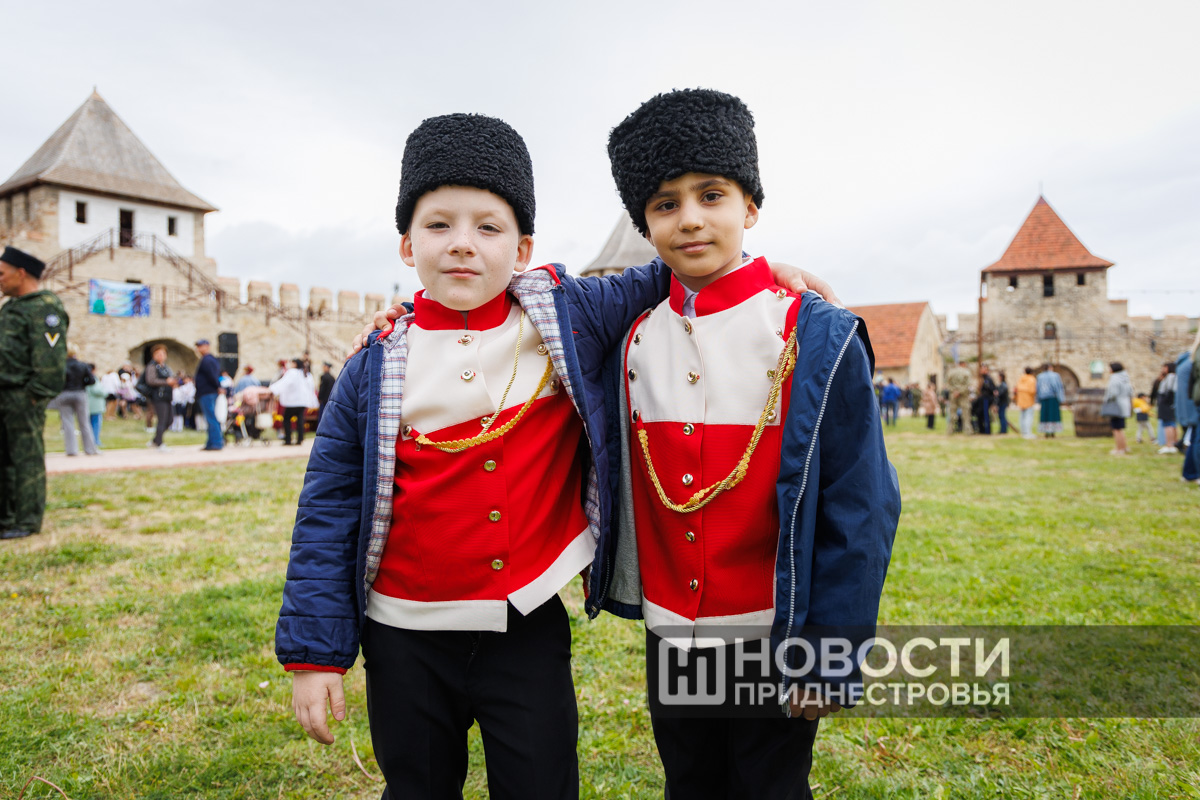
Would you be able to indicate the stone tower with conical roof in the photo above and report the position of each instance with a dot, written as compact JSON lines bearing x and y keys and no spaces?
{"x":110,"y":219}
{"x":94,"y":174}
{"x":1046,"y":302}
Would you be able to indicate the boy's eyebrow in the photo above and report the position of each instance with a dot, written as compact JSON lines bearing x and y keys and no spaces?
{"x":707,"y":183}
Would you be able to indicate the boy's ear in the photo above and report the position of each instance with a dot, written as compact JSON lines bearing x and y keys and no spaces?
{"x":406,"y":250}
{"x":524,"y":252}
{"x":648,"y":237}
{"x":751,"y":212}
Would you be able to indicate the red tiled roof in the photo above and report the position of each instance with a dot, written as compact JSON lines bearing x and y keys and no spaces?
{"x":1044,"y":242}
{"x":893,"y":331}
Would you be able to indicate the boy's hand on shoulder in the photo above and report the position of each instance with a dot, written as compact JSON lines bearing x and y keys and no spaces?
{"x":799,"y":280}
{"x":381,"y":320}
{"x":310,"y":691}
{"x":811,"y":708}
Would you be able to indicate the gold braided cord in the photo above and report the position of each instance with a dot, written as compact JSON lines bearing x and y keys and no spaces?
{"x":787,"y":362}
{"x":487,"y":435}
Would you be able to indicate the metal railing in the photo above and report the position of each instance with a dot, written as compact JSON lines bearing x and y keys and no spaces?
{"x":210,"y":292}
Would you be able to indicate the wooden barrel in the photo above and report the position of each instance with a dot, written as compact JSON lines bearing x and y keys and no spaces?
{"x":1086,"y":409}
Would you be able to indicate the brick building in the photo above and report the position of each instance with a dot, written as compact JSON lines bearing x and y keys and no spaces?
{"x":906,"y":340}
{"x":94,"y":203}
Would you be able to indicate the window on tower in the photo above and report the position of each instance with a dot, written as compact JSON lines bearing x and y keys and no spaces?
{"x":1049,"y":331}
{"x":170,"y":226}
{"x":80,"y":211}
{"x":1047,"y":286}
{"x":1012,"y":283}
{"x":1081,"y":279}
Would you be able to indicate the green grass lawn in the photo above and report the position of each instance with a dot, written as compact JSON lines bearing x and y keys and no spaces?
{"x":138,"y":658}
{"x":118,"y":434}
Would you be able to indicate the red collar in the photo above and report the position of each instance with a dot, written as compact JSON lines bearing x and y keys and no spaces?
{"x":433,"y":316}
{"x":726,"y":291}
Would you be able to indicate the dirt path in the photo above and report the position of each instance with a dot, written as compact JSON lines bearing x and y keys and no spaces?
{"x":188,"y":456}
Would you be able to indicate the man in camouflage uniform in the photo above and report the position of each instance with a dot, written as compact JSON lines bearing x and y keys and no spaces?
{"x":33,"y":355}
{"x":958,"y":385}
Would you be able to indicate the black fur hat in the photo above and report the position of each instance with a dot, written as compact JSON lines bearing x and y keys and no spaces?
{"x":672,"y":134}
{"x":466,"y":150}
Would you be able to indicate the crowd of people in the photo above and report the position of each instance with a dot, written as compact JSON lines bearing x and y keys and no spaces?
{"x":168,"y":401}
{"x":1166,"y":415}
{"x":1173,"y":399}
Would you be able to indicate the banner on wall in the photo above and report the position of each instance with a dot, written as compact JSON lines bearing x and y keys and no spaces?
{"x":113,"y":299}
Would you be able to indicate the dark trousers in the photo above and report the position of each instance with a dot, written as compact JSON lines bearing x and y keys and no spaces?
{"x":164,"y":413}
{"x":22,"y":460}
{"x":929,"y":420}
{"x":424,"y":689}
{"x":290,"y":413}
{"x":985,"y":416}
{"x":1191,"y":458}
{"x":730,"y":758}
{"x":1002,"y":413}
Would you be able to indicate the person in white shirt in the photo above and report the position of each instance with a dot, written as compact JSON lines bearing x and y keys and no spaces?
{"x":295,"y":392}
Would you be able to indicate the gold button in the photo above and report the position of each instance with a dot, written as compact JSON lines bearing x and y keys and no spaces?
{"x":694,"y":585}
{"x":467,"y":374}
{"x":633,"y":374}
{"x":691,"y":537}
{"x":497,"y":564}
{"x":687,"y":479}
{"x":781,"y":293}
{"x":637,"y":338}
{"x":542,"y":350}
{"x":687,"y":326}
{"x":489,"y":465}
{"x":407,"y":430}
{"x":636,"y":415}
{"x":771,"y":374}
{"x":693,"y":377}
{"x":555,"y":386}
{"x":779,"y":332}
{"x":688,"y":428}
{"x":494,"y":516}
{"x":466,"y":338}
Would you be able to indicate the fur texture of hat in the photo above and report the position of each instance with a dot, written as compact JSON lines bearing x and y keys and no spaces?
{"x":674,"y":133}
{"x":466,"y":150}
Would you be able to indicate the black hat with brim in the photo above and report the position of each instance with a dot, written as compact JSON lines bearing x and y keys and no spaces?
{"x":22,"y":260}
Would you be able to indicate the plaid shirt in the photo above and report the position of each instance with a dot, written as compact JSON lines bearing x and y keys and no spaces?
{"x":532,"y":290}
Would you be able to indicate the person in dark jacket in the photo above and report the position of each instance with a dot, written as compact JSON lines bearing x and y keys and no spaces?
{"x":1003,"y":398}
{"x":324,"y":389}
{"x":208,"y":385}
{"x":986,"y":400}
{"x":162,"y":382}
{"x":72,"y":407}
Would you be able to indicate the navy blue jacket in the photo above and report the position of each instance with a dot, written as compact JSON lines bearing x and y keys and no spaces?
{"x":325,"y":596}
{"x":838,"y":495}
{"x":208,"y":376}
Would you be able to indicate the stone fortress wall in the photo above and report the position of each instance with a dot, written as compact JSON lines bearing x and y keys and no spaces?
{"x":272,"y":323}
{"x":1088,"y":327}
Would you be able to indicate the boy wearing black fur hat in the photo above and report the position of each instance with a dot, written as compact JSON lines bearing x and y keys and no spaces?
{"x":757,"y":505}
{"x":454,"y":486}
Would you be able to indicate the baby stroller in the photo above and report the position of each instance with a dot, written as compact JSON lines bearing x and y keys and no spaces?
{"x":251,"y":415}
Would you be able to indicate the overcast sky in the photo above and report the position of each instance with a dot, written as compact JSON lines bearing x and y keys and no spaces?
{"x":901,"y":143}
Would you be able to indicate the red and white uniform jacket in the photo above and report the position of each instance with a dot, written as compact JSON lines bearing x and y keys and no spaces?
{"x":473,"y":531}
{"x":698,"y":371}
